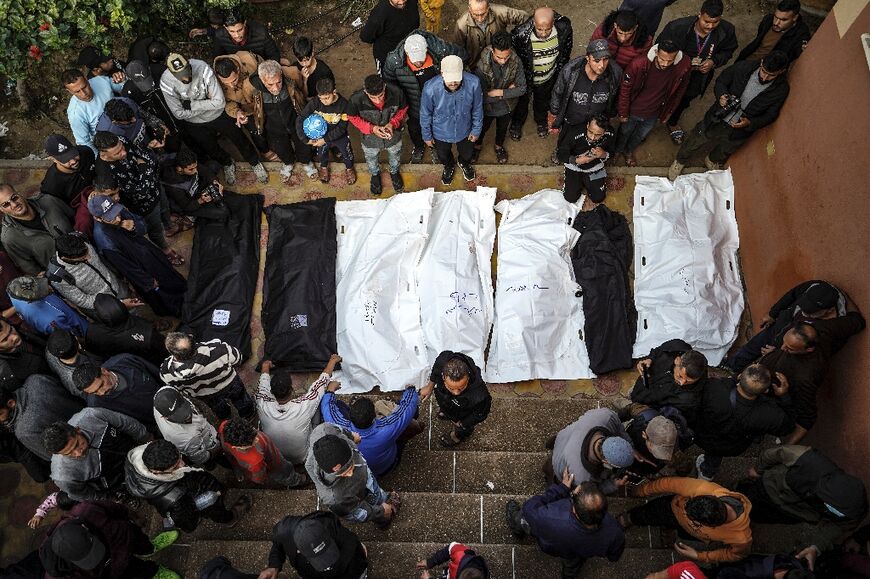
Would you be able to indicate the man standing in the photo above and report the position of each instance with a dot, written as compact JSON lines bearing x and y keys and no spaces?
{"x":207,"y":370}
{"x":648,"y":11}
{"x":345,"y":484}
{"x":388,"y":23}
{"x":543,"y":43}
{"x":87,"y":102}
{"x":71,"y":171}
{"x":626,"y":36}
{"x":570,"y":523}
{"x":461,"y":393}
{"x":124,"y":383}
{"x":734,"y":412}
{"x":749,"y":96}
{"x":653,"y":86}
{"x":30,"y":227}
{"x":476,"y":28}
{"x":195,"y":98}
{"x":451,"y":112}
{"x":588,"y":85}
{"x":88,"y":452}
{"x":239,"y":34}
{"x":379,"y":110}
{"x":411,"y":65}
{"x":182,"y":424}
{"x":255,"y":457}
{"x":784,"y":30}
{"x":593,"y":448}
{"x":503,"y":82}
{"x":584,"y":149}
{"x":709,"y":41}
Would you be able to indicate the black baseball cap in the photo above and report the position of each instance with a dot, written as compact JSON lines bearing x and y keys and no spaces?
{"x":75,"y":543}
{"x":60,"y":148}
{"x":818,"y":297}
{"x":315,"y":544}
{"x":172,"y":405}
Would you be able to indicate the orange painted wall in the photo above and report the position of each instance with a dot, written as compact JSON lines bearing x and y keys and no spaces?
{"x":803,"y":207}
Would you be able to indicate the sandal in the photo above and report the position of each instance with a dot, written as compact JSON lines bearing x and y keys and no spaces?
{"x":501,"y":155}
{"x":174,"y":258}
{"x":447,"y":440}
{"x":677,"y":136}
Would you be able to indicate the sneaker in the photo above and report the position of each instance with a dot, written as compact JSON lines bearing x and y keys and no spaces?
{"x":398,"y":182}
{"x":241,"y":506}
{"x":350,"y":175}
{"x":417,"y":155}
{"x":395,"y":501}
{"x":230,"y":174}
{"x":323,"y":173}
{"x":163,"y":540}
{"x":468,"y":171}
{"x":711,"y":165}
{"x":543,"y":131}
{"x":516,"y":133}
{"x":434,"y":154}
{"x":513,"y":514}
{"x":447,"y":174}
{"x":310,"y":170}
{"x":304,"y":481}
{"x":286,"y":172}
{"x":376,"y":186}
{"x":501,"y":155}
{"x":261,"y":173}
{"x":165,"y":573}
{"x":698,"y":462}
{"x":554,"y":159}
{"x":675,"y":170}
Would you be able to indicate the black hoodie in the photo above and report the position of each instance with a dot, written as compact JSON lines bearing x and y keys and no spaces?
{"x":352,"y":561}
{"x":473,"y":404}
{"x":115,"y":331}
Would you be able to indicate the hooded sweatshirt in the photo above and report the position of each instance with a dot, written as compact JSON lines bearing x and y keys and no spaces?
{"x":138,"y":381}
{"x":341,"y":495}
{"x":43,"y":310}
{"x":79,"y":283}
{"x":65,"y":371}
{"x":41,"y":402}
{"x":196,"y":441}
{"x":204,"y":93}
{"x":99,"y":473}
{"x":117,"y":331}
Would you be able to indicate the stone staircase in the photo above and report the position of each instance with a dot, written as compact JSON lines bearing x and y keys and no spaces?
{"x":454,"y":495}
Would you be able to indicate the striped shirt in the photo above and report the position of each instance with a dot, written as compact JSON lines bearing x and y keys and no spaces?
{"x":208,"y":371}
{"x":544,"y":55}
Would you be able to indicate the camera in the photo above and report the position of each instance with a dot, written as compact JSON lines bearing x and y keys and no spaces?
{"x":214,"y":192}
{"x":732,"y":103}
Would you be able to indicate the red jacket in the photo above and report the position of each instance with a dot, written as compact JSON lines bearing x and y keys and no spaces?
{"x":635,"y":77}
{"x":258,"y":461}
{"x":623,"y":54}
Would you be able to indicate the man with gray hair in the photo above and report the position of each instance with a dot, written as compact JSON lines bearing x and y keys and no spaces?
{"x":206,"y":370}
{"x":481,"y":22}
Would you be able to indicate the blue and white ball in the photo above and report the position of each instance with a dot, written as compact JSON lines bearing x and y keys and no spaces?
{"x":314,"y":127}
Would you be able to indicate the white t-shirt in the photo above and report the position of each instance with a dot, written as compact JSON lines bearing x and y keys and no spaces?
{"x":289,"y":424}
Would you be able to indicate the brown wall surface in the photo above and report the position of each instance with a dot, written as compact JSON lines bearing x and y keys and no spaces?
{"x":803,"y":207}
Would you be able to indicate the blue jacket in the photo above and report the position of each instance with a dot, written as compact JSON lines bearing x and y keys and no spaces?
{"x":560,"y":533}
{"x":50,"y":312}
{"x":451,"y":116}
{"x":378,"y":444}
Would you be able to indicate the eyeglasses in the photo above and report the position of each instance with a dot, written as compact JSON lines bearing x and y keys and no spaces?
{"x":16,"y":198}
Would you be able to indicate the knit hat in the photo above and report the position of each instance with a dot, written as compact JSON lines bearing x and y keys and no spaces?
{"x":415,"y":47}
{"x":313,"y":541}
{"x":179,"y":66}
{"x":598,"y":48}
{"x":617,"y":451}
{"x":819,"y":296}
{"x":28,"y":288}
{"x":172,"y":405}
{"x":451,"y":68}
{"x":74,"y":542}
{"x":662,"y":436}
{"x":60,"y":148}
{"x":330,"y":451}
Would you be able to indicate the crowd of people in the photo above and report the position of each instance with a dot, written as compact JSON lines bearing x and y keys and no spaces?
{"x":116,"y":411}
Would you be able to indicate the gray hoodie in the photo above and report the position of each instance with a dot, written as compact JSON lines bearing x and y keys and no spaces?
{"x":40,"y":402}
{"x":65,"y":372}
{"x":196,"y":441}
{"x":204,"y":92}
{"x":108,"y":434}
{"x":85,"y":280}
{"x":341,"y":495}
{"x":568,"y":451}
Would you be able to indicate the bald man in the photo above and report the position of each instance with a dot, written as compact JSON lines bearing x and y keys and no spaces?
{"x":482,"y":21}
{"x":543,"y":43}
{"x":30,"y":226}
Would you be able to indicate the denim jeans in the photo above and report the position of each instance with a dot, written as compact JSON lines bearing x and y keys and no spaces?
{"x":632,"y":133}
{"x":394,"y":154}
{"x":376,"y":496}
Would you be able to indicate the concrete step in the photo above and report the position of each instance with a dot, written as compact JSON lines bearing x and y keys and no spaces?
{"x":396,"y":560}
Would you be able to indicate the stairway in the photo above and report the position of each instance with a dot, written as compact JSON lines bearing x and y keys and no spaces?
{"x":454,"y":495}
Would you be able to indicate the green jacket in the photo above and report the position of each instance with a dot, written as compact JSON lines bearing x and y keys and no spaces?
{"x":31,"y":249}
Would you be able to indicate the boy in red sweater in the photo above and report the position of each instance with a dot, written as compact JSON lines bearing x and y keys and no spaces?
{"x":255,"y":457}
